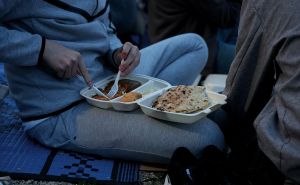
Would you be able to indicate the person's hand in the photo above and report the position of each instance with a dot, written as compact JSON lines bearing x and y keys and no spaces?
{"x":131,"y":56}
{"x":65,"y":62}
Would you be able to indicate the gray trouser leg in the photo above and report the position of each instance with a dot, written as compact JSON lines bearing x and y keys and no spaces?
{"x":125,"y":135}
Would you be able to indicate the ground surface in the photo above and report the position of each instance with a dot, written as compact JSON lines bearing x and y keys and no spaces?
{"x":146,"y":178}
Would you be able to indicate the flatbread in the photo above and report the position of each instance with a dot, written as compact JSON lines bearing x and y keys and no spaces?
{"x":183,"y":99}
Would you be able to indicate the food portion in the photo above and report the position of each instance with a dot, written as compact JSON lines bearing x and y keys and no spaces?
{"x":131,"y":96}
{"x":149,"y":90}
{"x":183,"y":99}
{"x":98,"y":97}
{"x":125,"y":86}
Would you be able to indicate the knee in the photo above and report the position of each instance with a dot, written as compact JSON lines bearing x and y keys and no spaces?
{"x":211,"y":135}
{"x":195,"y":37}
{"x":198,"y":44}
{"x":197,"y":40}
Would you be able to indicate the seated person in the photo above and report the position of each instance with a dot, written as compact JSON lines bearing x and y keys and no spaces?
{"x":215,"y":21}
{"x":262,"y":87}
{"x":45,"y":45}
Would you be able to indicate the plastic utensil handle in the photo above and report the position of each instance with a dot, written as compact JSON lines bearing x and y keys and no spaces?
{"x":85,"y":74}
{"x":100,"y":93}
{"x":118,"y":76}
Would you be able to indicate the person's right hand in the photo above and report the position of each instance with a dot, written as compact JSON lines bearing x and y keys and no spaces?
{"x":65,"y":62}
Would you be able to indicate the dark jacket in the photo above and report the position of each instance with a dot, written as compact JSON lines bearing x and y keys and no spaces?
{"x":263,"y":85}
{"x":172,"y":17}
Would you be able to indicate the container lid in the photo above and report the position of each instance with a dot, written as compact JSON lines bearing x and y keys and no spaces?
{"x":215,"y":82}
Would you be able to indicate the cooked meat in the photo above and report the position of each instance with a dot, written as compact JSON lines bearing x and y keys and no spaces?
{"x":183,"y":99}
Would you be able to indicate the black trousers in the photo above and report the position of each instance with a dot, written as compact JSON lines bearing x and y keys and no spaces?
{"x":247,"y":160}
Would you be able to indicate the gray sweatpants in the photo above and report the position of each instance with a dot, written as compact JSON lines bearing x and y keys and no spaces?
{"x":124,"y":135}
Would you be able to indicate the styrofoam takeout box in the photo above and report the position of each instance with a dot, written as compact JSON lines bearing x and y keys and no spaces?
{"x":215,"y":82}
{"x":216,"y":99}
{"x":149,"y":86}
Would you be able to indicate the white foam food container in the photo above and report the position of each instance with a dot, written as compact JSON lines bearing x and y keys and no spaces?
{"x":215,"y":82}
{"x":149,"y":85}
{"x":216,"y":99}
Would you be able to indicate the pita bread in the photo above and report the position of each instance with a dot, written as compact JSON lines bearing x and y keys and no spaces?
{"x":183,"y":99}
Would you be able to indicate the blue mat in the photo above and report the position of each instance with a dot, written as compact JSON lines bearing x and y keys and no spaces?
{"x":23,"y":158}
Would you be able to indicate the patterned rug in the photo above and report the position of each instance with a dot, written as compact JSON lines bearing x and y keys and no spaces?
{"x":23,"y":158}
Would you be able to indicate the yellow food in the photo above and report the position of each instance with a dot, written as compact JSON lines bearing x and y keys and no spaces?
{"x":131,"y":96}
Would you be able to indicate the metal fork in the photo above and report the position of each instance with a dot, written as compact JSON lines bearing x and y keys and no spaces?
{"x":114,"y":89}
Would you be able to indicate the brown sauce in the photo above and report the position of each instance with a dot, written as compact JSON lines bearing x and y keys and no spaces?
{"x":125,"y":86}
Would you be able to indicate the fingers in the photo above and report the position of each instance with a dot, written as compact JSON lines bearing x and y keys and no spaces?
{"x":68,"y":73}
{"x":131,"y":60}
{"x":71,"y":66}
{"x":66,"y":62}
{"x":77,"y":67}
{"x":84,"y":73}
{"x":74,"y":70}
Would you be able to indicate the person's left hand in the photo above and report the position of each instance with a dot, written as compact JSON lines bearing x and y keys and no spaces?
{"x":131,"y":55}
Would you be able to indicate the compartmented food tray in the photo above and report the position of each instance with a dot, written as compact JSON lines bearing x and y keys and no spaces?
{"x":148,"y":86}
{"x":216,"y":101}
